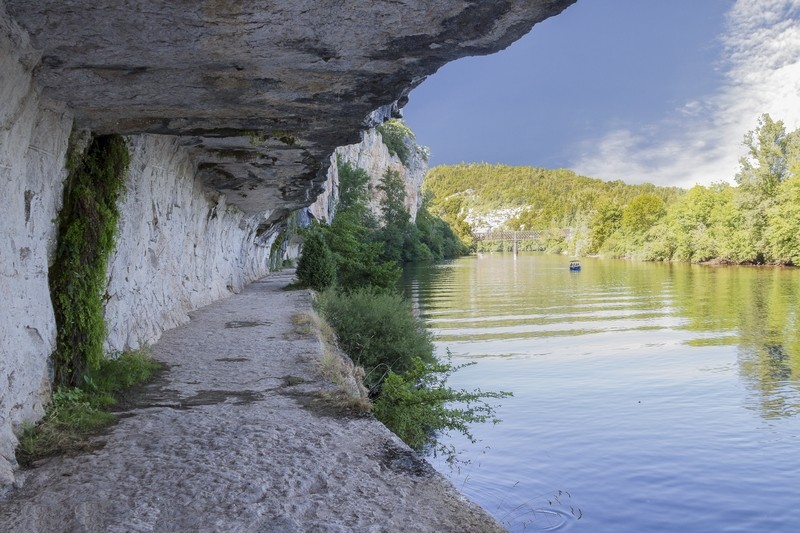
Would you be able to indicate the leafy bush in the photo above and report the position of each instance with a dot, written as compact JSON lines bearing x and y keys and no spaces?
{"x":358,"y":258}
{"x":317,"y":267}
{"x":378,"y":330}
{"x":417,"y":404}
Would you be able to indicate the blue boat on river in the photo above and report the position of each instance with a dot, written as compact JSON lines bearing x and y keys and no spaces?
{"x":574,"y":265}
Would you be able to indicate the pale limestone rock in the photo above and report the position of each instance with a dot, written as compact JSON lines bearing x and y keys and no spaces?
{"x":373,"y":157}
{"x":180,"y":246}
{"x":262,"y":91}
{"x":33,"y":141}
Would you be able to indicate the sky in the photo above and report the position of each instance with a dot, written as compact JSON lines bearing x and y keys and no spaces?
{"x":659,"y":91}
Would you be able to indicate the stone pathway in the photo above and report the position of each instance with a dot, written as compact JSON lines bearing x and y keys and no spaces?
{"x":234,"y":438}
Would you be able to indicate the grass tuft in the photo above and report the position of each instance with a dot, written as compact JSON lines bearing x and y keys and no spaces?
{"x":77,"y":413}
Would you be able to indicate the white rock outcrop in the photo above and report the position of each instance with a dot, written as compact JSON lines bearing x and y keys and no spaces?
{"x":372,"y":155}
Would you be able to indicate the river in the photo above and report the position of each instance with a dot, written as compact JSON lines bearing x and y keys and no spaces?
{"x":647,"y":396}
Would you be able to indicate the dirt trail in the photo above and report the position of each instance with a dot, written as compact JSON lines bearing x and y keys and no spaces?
{"x":227,"y":441}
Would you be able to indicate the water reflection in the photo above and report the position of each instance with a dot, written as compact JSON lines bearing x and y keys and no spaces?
{"x":662,"y":397}
{"x":496,"y":298}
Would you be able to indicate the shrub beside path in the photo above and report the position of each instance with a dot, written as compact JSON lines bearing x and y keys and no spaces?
{"x":235,"y":437}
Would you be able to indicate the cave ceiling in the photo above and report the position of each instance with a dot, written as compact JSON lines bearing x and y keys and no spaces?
{"x":260,"y":92}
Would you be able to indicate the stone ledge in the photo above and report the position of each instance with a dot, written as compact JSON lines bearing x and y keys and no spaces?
{"x":261,"y":92}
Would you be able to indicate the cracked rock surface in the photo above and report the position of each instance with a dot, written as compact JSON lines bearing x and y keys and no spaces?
{"x":233,"y":437}
{"x":260,"y":91}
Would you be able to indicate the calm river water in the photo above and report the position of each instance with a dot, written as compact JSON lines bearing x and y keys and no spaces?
{"x":647,"y":397}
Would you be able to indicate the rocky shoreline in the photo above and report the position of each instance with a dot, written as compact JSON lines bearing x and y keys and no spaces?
{"x":235,"y":436}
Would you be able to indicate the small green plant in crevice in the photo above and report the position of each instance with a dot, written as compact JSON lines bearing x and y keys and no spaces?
{"x":76,"y":413}
{"x":394,"y":132}
{"x":87,"y":227}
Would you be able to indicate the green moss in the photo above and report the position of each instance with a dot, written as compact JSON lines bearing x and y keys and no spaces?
{"x":257,"y":138}
{"x":87,"y":227}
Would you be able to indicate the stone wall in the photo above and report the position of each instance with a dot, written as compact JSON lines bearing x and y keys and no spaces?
{"x":180,"y":246}
{"x":34,"y":133}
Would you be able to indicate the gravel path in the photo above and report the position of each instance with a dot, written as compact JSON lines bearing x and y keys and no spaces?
{"x":227,"y":441}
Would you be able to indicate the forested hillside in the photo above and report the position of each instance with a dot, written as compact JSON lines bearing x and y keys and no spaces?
{"x":755,"y":221}
{"x":482,"y":196}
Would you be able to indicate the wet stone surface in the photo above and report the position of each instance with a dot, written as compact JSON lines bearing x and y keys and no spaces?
{"x":235,"y":434}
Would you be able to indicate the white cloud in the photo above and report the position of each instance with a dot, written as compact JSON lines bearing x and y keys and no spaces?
{"x":703,"y":141}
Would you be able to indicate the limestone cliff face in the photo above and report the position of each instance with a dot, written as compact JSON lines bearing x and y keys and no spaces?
{"x":260,"y":92}
{"x":372,"y":155}
{"x":231,"y":111}
{"x":33,"y":140}
{"x":180,"y":246}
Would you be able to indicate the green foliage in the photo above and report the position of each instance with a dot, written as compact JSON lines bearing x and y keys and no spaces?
{"x":756,"y":222}
{"x":642,"y":213}
{"x":377,"y":330}
{"x":87,"y":226}
{"x":405,"y":241}
{"x":396,"y":232}
{"x":394,"y":132}
{"x":353,"y":195}
{"x":317,"y":266}
{"x":277,"y":252}
{"x":783,"y":231}
{"x":374,"y":325}
{"x":437,"y":235}
{"x":351,"y":237}
{"x":77,"y":412}
{"x":418,"y":404}
{"x":605,"y":221}
{"x":546,"y":199}
{"x":358,"y":259}
{"x":771,"y":154}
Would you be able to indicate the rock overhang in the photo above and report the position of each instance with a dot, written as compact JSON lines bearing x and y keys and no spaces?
{"x":260,"y":92}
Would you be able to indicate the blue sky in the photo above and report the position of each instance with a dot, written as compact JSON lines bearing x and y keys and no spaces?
{"x":639,"y":90}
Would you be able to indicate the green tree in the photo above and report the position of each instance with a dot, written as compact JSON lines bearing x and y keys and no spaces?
{"x":317,"y":267}
{"x":642,"y":213}
{"x":783,"y":231}
{"x":604,"y":223}
{"x":770,"y":153}
{"x":358,"y":255}
{"x":396,"y":232}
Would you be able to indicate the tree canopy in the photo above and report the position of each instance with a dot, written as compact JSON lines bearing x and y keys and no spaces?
{"x":755,"y":221}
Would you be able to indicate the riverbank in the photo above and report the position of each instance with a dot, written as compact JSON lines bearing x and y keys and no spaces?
{"x":235,"y":437}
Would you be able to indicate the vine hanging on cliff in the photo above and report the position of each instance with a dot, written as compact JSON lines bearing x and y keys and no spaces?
{"x":87,"y":227}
